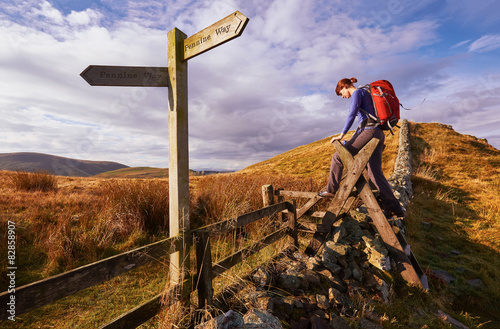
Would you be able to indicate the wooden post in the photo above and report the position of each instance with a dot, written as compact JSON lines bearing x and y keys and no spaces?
{"x":204,"y":266}
{"x":292,"y":223}
{"x":267,"y":195}
{"x":178,"y":150}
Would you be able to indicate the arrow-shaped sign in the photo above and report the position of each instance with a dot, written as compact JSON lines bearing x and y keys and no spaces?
{"x":132,"y":76}
{"x":216,"y":34}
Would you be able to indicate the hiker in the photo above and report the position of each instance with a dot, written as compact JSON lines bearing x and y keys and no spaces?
{"x":367,"y":129}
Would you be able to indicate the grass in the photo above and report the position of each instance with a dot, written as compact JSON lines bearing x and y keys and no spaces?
{"x":453,"y":219}
{"x":452,"y":224}
{"x":38,"y":181}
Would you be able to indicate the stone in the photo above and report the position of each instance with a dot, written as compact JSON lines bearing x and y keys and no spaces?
{"x":229,"y":320}
{"x":313,"y":264}
{"x":262,"y":277}
{"x":378,"y":255}
{"x":338,"y":322}
{"x":367,"y":324}
{"x":476,"y":283}
{"x":310,"y":277}
{"x":265,"y":303}
{"x":339,"y":234}
{"x":336,"y":249}
{"x":332,"y":281}
{"x":290,"y":281}
{"x":322,"y":302}
{"x":443,"y":275}
{"x":336,"y":297}
{"x":267,"y":320}
{"x":318,"y":323}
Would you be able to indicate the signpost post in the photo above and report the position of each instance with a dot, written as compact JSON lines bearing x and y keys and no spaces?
{"x":175,"y":77}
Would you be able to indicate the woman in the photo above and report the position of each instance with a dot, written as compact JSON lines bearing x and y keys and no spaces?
{"x":361,"y":104}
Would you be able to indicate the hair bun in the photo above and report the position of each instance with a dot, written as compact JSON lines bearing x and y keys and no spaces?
{"x":354,"y":80}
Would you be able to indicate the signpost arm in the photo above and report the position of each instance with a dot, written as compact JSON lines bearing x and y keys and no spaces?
{"x":178,"y":150}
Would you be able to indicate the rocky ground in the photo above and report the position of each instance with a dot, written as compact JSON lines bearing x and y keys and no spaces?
{"x":329,"y":290}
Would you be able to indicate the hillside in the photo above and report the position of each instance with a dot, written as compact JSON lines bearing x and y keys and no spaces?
{"x":313,"y":160}
{"x":61,"y":166}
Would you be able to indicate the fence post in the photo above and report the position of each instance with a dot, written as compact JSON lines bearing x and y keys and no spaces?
{"x":204,"y":266}
{"x":267,"y":195}
{"x":292,"y":222}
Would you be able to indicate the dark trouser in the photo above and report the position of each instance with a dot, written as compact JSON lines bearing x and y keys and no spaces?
{"x":354,"y":145}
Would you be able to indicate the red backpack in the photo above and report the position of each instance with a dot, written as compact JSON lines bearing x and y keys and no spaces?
{"x":386,"y":104}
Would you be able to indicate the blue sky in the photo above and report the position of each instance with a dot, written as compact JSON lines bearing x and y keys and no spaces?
{"x":266,"y":92}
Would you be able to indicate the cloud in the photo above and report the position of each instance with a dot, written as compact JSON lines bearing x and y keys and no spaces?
{"x":486,"y":43}
{"x":460,"y":44}
{"x":259,"y":95}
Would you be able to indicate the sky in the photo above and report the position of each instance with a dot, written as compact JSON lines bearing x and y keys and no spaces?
{"x":261,"y":94}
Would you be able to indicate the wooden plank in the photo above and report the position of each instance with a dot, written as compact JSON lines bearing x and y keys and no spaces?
{"x":142,"y":313}
{"x":341,"y":196}
{"x":136,"y":316}
{"x":296,"y":194}
{"x":43,"y":292}
{"x":237,"y":257}
{"x":308,"y":205}
{"x":245,"y":219}
{"x":387,"y":234}
{"x":228,"y":28}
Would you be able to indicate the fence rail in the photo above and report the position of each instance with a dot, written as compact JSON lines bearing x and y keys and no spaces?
{"x":43,"y":292}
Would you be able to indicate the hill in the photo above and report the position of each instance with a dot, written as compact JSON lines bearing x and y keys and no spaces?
{"x":313,"y":160}
{"x":31,"y":162}
{"x":148,"y":172}
{"x":135,"y":172}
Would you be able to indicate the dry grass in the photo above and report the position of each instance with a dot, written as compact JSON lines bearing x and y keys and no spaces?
{"x":38,"y":181}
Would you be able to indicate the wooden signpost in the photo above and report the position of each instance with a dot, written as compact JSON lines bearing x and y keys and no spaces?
{"x":175,"y":77}
{"x":129,"y":76}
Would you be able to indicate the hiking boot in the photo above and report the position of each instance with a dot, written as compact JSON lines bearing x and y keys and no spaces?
{"x":325,"y":194}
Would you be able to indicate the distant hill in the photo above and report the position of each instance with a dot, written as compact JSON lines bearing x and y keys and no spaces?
{"x":56,"y":165}
{"x":136,"y":172}
{"x":148,"y":172}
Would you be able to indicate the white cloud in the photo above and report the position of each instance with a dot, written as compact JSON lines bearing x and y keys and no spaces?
{"x":460,"y":44}
{"x":486,"y":43}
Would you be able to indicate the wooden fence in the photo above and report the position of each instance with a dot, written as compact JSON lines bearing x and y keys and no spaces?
{"x":40,"y":293}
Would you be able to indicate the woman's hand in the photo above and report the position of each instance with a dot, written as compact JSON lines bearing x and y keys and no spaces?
{"x":337,"y":138}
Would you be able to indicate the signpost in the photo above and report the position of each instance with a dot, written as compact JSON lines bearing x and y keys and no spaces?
{"x":216,"y":34}
{"x":131,"y":76}
{"x":175,"y":77}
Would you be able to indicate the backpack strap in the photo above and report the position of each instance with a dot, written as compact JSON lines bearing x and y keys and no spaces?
{"x":375,"y":117}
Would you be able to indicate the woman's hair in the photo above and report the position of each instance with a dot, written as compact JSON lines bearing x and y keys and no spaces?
{"x":344,"y":83}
